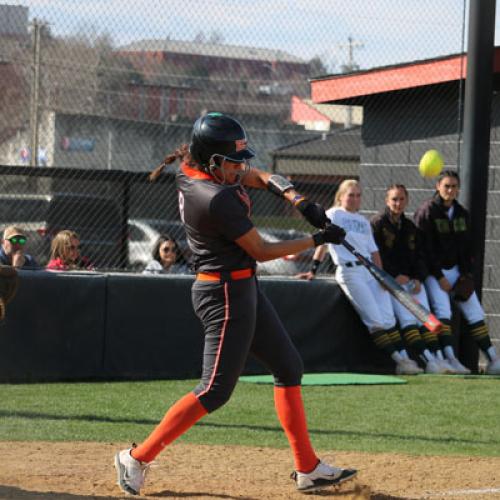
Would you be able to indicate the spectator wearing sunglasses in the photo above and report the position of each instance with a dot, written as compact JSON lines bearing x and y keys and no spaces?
{"x":167,"y":258}
{"x":65,"y":253}
{"x":12,"y":249}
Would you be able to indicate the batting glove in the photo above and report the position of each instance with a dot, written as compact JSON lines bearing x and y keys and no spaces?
{"x":331,"y":234}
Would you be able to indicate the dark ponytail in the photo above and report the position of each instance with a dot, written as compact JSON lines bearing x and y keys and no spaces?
{"x":182,"y":153}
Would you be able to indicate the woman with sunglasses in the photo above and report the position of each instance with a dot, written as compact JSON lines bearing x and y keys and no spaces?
{"x":65,"y":253}
{"x":236,"y":316}
{"x":166,"y":257}
{"x":12,"y":250}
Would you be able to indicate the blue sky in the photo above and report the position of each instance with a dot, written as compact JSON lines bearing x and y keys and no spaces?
{"x":391,"y":31}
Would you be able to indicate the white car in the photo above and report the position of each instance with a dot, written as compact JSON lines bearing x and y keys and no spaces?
{"x":143,"y":235}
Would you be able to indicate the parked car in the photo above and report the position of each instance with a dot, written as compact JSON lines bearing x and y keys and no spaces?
{"x":96,"y":219}
{"x":144,"y":233}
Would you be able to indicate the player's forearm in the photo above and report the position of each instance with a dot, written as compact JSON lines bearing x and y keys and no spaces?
{"x":262,"y":250}
{"x":259,"y":179}
{"x":256,"y":178}
{"x":319,"y":253}
{"x":275,"y":250}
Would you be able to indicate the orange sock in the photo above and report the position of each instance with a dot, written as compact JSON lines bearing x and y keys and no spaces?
{"x":290,"y":410}
{"x":178,"y":419}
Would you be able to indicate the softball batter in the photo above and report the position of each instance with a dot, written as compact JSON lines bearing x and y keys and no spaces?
{"x":369,"y":299}
{"x":236,"y":316}
{"x":444,"y":226}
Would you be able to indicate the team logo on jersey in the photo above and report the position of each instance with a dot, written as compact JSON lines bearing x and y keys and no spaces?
{"x":240,"y":144}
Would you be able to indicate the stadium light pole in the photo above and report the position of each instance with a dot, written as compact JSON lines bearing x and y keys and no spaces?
{"x":476,"y":137}
{"x":35,"y":91}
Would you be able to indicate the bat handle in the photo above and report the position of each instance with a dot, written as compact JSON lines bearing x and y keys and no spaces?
{"x":349,"y":247}
{"x":356,"y":254}
{"x":352,"y":249}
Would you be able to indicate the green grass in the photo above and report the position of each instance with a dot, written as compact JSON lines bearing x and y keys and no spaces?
{"x":430,"y":415}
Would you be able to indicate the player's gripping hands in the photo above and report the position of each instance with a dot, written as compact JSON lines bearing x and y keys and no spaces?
{"x":330,"y":234}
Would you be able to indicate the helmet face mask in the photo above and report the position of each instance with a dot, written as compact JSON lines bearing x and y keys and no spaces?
{"x":217,"y":135}
{"x":217,"y":167}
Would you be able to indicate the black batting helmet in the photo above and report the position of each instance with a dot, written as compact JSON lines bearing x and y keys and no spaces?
{"x":218,"y":134}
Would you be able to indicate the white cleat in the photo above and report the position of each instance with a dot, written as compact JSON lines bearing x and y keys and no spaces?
{"x":131,"y":473}
{"x":322,"y":476}
{"x":408,"y":367}
{"x":458,"y":367}
{"x":493,"y":367}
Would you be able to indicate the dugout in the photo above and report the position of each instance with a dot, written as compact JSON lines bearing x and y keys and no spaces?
{"x":407,"y":109}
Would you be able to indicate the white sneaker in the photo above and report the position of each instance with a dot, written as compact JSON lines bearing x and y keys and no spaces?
{"x":493,"y":367}
{"x":408,"y":367}
{"x":131,"y":473}
{"x":434,"y":367}
{"x":322,"y":476}
{"x":458,"y":367}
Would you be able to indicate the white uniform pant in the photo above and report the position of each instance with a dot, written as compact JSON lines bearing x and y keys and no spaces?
{"x":405,"y":317}
{"x":371,"y":301}
{"x":440,"y":300}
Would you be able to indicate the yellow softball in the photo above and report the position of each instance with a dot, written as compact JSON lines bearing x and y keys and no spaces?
{"x":431,"y":163}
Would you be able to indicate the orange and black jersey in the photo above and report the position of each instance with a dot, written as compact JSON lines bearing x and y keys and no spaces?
{"x":214,"y":216}
{"x":399,"y":246}
{"x":446,"y":241}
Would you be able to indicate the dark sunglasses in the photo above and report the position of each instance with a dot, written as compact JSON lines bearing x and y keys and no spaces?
{"x":171,"y":248}
{"x":18,"y":240}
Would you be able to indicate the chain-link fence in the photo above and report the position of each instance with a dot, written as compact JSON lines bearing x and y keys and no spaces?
{"x":94,"y":94}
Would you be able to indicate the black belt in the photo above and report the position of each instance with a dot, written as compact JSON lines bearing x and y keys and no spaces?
{"x":352,"y":264}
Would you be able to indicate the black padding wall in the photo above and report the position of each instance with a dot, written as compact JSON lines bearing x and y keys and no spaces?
{"x":151,"y":329}
{"x":64,"y":326}
{"x":54,"y":328}
{"x":327,"y":332}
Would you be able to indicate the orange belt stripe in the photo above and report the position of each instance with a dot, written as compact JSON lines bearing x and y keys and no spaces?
{"x":239,"y":274}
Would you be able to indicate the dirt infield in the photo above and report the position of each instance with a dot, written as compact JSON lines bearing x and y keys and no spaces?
{"x":73,"y":471}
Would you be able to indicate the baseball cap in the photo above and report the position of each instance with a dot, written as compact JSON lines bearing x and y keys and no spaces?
{"x":11,"y":231}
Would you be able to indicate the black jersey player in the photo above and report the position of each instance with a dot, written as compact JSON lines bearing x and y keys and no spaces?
{"x":236,"y":316}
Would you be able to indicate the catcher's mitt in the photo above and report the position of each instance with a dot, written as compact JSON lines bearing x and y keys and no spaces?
{"x":464,"y":288}
{"x":9,"y":282}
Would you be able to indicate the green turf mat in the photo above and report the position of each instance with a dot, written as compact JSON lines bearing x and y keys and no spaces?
{"x":331,"y":379}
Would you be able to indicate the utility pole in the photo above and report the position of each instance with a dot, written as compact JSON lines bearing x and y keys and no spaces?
{"x":350,"y":66}
{"x":35,"y":90}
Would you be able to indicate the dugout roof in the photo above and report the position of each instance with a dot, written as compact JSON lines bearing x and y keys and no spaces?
{"x":356,"y":87}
